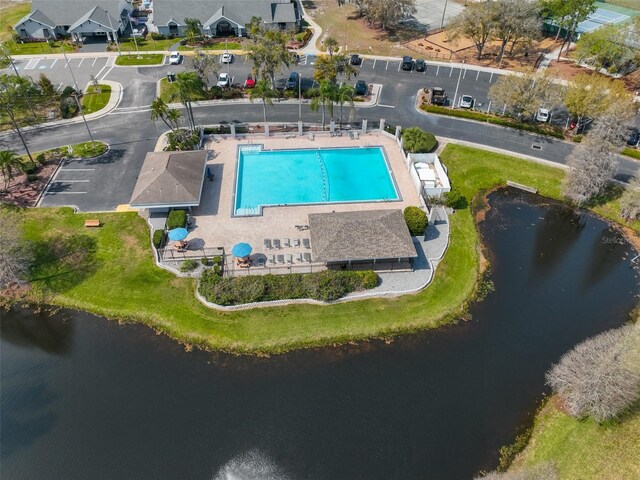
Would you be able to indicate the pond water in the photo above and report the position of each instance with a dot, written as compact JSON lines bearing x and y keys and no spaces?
{"x":83,"y":397}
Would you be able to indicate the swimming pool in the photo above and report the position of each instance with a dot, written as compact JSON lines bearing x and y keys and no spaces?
{"x":310,"y":176}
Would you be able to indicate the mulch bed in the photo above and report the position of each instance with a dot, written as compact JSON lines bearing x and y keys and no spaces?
{"x":25,"y":194}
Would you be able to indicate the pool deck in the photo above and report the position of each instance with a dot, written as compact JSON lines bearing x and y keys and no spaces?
{"x":216,"y":226}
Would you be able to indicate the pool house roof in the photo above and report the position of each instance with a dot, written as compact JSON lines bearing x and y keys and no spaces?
{"x":170,"y":179}
{"x":360,"y":236}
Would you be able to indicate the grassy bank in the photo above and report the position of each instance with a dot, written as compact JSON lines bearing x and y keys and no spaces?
{"x":583,"y":449}
{"x":96,"y":100}
{"x":84,"y":279}
{"x":16,"y":48}
{"x":145,"y":59}
{"x":10,"y":14}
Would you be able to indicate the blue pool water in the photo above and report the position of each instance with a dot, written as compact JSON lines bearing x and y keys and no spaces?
{"x":297,"y":177}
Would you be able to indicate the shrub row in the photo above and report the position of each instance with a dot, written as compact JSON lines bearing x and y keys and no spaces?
{"x":416,"y":220}
{"x":416,"y":140}
{"x":176,"y":219}
{"x":327,"y":285}
{"x":631,"y":152}
{"x":158,"y":236}
{"x":503,"y":121}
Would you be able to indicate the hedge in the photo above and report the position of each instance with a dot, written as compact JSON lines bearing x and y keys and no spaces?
{"x":631,"y":152}
{"x":158,"y":236}
{"x":176,"y":219}
{"x":416,"y":140}
{"x":416,"y":220}
{"x":327,"y":285}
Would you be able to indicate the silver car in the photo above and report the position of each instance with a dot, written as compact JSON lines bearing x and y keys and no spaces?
{"x":466,"y":101}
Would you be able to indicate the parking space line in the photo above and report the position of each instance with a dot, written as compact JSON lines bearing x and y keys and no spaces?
{"x":107,"y":73}
{"x":81,"y":60}
{"x":374,"y":63}
{"x":94,"y":61}
{"x":65,"y":193}
{"x":362,"y":63}
{"x":54,"y":62}
{"x":77,"y":169}
{"x":387,"y":67}
{"x":451,"y":72}
{"x":464,"y":74}
{"x":438,"y":71}
{"x":399,"y":65}
{"x":32,"y":64}
{"x":59,"y":87}
{"x":478,"y":75}
{"x":72,"y":181}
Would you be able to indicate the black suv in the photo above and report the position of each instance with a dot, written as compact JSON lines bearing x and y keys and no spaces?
{"x":361,"y":87}
{"x":407,"y":63}
{"x":633,"y":137}
{"x":356,"y":60}
{"x":420,"y":65}
{"x":293,"y":81}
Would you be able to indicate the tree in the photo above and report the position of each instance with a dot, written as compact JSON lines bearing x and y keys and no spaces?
{"x":14,"y":93}
{"x":568,"y":14}
{"x":478,"y":21}
{"x":344,"y":94}
{"x":10,"y":162}
{"x":328,"y":68}
{"x":15,"y":255}
{"x":607,"y":48}
{"x":516,"y":20}
{"x":322,"y":98}
{"x":268,"y":51}
{"x":416,"y":140}
{"x":160,"y":110}
{"x":600,"y":377}
{"x":387,"y":13}
{"x":262,"y":90}
{"x":204,"y":65}
{"x":331,"y":45}
{"x":592,"y":163}
{"x":589,"y":95}
{"x":188,"y":85}
{"x":193,"y":30}
{"x":525,"y":93}
{"x":630,"y":200}
{"x":46,"y":87}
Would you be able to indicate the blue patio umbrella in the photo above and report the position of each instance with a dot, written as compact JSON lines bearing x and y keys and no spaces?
{"x":178,"y":234}
{"x":241,"y":250}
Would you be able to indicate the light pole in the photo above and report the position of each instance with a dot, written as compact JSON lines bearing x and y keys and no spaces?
{"x":66,"y":59}
{"x":75,"y":96}
{"x":443,"y":12}
{"x":6,"y":52}
{"x":113,"y":34}
{"x":226,"y":49}
{"x":134,"y":37}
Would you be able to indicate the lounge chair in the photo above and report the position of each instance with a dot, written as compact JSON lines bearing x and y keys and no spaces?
{"x":307,"y":257}
{"x":299,"y":257}
{"x":276,"y":243}
{"x":306,"y":243}
{"x":295,"y":242}
{"x":286,"y":242}
{"x":289,"y":259}
{"x":272,"y":259}
{"x":280,"y":258}
{"x":267,"y":243}
{"x":311,"y":136}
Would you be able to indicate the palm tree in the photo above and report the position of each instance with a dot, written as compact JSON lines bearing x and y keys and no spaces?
{"x":344,"y":94}
{"x":9,"y":163}
{"x":174,"y":116}
{"x":159,"y":110}
{"x":264,"y":92}
{"x":331,"y":45}
{"x":323,"y":96}
{"x":188,"y":86}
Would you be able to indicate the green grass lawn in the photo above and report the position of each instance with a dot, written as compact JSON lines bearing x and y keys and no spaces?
{"x":9,"y":16}
{"x":16,"y":48}
{"x":80,"y":150}
{"x":216,"y":46}
{"x":583,"y":449}
{"x":146,"y":44}
{"x":631,"y":152}
{"x":120,"y":250}
{"x":168,"y":89}
{"x":94,"y":101}
{"x":146,"y":59}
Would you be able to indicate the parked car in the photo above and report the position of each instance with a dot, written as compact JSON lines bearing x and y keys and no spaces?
{"x":438,"y":96}
{"x":466,"y":101}
{"x":579,"y":126}
{"x":224,"y":80}
{"x":361,"y":87}
{"x":356,"y":60}
{"x":407,"y":63}
{"x":634,"y":137}
{"x":293,"y":81}
{"x":249,"y":82}
{"x":420,"y":65}
{"x":175,"y":58}
{"x":543,"y":115}
{"x":227,"y":57}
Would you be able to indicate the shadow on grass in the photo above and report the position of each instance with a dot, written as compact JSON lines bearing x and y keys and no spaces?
{"x":61,"y":263}
{"x":612,"y":192}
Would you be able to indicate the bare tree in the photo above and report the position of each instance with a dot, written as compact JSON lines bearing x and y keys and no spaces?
{"x":387,"y":13}
{"x":630,"y":200}
{"x":592,"y":163}
{"x":525,"y":93}
{"x":516,"y":20}
{"x":204,"y":65}
{"x":477,"y":22}
{"x":600,"y":377}
{"x":15,"y":255}
{"x":542,"y":471}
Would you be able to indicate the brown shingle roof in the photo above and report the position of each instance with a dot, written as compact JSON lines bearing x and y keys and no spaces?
{"x":170,"y":179}
{"x":366,"y":235}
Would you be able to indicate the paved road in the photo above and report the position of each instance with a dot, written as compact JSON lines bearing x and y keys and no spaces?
{"x":104,"y":183}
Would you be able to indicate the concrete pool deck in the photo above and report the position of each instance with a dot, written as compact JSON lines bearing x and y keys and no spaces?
{"x":216,"y":226}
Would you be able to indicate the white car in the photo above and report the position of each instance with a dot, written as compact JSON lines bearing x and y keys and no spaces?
{"x":175,"y":58}
{"x":543,"y":115}
{"x":466,"y":101}
{"x":227,"y":58}
{"x":224,"y":80}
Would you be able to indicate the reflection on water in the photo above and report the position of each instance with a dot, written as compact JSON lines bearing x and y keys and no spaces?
{"x":83,"y":397}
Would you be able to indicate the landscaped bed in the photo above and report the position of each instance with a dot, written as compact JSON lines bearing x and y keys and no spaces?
{"x":120,"y":249}
{"x":96,"y":98}
{"x":145,"y":59}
